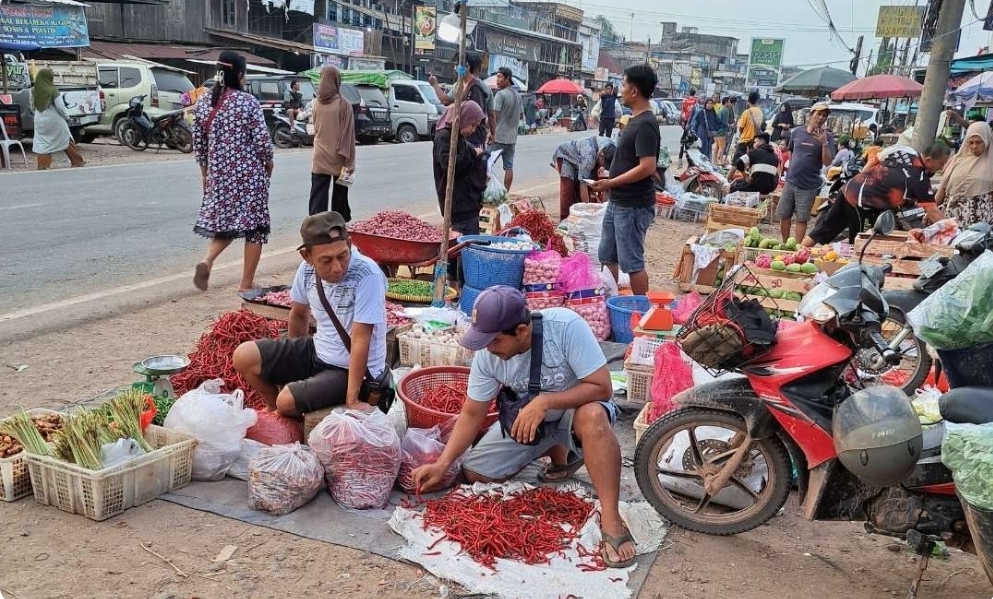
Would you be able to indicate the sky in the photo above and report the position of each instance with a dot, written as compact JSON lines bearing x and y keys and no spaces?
{"x":808,"y":41}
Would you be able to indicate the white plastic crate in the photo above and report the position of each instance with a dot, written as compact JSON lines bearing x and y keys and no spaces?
{"x":745,"y":199}
{"x":15,"y":482}
{"x":641,"y":422}
{"x":639,"y":382}
{"x":102,"y":494}
{"x":425,"y":352}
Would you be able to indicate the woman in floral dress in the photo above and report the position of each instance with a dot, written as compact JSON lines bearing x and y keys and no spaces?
{"x":232,"y":147}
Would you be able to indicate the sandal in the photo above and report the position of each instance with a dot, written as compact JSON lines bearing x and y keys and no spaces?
{"x":560,"y":473}
{"x":615,"y":543}
{"x":202,"y":276}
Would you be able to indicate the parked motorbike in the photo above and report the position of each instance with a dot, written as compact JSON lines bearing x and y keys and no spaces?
{"x":286,"y":134}
{"x":721,"y":462}
{"x":138,"y":132}
{"x":700,"y":175}
{"x":578,"y":117}
{"x":969,"y":245}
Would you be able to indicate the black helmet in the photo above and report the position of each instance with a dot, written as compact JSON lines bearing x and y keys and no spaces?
{"x":877,"y":435}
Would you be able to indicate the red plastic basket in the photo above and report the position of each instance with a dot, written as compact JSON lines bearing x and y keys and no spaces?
{"x":413,"y":387}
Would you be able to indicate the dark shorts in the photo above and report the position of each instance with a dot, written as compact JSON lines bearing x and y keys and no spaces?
{"x":622,"y":240}
{"x":840,"y":216}
{"x":293,"y":363}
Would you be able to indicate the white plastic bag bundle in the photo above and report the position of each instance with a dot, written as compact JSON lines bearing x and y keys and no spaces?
{"x":119,"y":452}
{"x":360,"y":452}
{"x":218,"y":421}
{"x":239,"y":469}
{"x":282,"y":478}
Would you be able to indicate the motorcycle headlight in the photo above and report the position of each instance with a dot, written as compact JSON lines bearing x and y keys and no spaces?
{"x":812,"y":306}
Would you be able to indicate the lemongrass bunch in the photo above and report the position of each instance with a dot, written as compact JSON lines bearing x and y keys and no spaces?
{"x":20,"y":427}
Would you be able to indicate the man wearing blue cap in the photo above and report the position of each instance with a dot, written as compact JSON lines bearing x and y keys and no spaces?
{"x":570,"y":417}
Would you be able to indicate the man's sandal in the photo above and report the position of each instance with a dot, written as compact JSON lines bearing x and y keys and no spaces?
{"x":615,"y":543}
{"x":552,"y":474}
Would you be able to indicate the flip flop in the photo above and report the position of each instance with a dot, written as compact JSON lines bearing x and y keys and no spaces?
{"x":615,"y":543}
{"x":202,"y":276}
{"x":568,"y":470}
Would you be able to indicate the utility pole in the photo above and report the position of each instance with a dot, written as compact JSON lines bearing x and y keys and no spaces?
{"x":858,"y":55}
{"x":906,"y":54}
{"x":936,"y":79}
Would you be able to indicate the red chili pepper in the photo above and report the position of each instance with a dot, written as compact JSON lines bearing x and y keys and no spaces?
{"x":541,"y":229}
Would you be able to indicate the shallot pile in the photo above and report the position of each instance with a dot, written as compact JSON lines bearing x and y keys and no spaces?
{"x":539,"y":300}
{"x":594,"y":312}
{"x":397,"y":224}
{"x":542,"y":268}
{"x":394,"y":315}
{"x":278,"y":298}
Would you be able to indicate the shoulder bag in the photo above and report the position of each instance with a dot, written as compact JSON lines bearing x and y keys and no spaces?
{"x":509,"y":403}
{"x":378,"y":390}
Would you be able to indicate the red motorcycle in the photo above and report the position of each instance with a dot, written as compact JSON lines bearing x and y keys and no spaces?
{"x":725,"y":460}
{"x":700,"y":176}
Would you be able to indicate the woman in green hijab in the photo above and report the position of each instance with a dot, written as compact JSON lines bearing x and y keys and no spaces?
{"x":51,"y":129}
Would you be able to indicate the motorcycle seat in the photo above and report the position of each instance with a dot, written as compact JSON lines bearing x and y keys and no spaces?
{"x":166,"y":115}
{"x":967,"y":405}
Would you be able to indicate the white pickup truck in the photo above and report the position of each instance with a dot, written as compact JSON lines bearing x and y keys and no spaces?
{"x":79,"y":89}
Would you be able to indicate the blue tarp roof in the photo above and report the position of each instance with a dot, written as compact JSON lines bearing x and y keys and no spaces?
{"x":972,"y":63}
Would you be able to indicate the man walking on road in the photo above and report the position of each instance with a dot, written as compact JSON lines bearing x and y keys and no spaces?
{"x":608,"y":108}
{"x":505,"y":117}
{"x":811,"y":148}
{"x":631,"y":209}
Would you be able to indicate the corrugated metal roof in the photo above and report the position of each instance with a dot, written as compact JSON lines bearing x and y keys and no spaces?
{"x":120,"y":50}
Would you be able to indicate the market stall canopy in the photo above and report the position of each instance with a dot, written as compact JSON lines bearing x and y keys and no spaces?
{"x":977,"y":89}
{"x":491,"y":82}
{"x":381,"y":79}
{"x":878,"y":87}
{"x":560,"y":86}
{"x":816,"y":82}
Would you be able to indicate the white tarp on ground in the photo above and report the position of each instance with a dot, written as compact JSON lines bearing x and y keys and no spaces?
{"x":516,"y":580}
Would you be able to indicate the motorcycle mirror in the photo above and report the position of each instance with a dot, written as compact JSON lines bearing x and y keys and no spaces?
{"x":885,"y":223}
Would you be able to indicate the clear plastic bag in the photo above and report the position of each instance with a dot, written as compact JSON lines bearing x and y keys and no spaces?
{"x":273,"y":429}
{"x":421,"y":447}
{"x":218,"y":421}
{"x":959,"y":314}
{"x":360,"y":452}
{"x":239,"y":469}
{"x":968,"y":452}
{"x":495,"y":193}
{"x":119,"y":452}
{"x":283,"y":478}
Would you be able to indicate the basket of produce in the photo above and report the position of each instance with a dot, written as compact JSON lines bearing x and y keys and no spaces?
{"x":14,"y":480}
{"x":413,"y":291}
{"x":432,"y":348}
{"x":489,"y":260}
{"x":435,"y":395}
{"x":396,"y":237}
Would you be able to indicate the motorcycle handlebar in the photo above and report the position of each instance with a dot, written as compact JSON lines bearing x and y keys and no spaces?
{"x":884,"y":349}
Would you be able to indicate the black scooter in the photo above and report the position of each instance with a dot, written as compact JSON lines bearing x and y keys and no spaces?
{"x":138,"y":132}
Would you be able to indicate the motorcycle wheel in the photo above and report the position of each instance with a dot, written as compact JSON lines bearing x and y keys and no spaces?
{"x":710,"y":189}
{"x":282,"y":137}
{"x":182,"y":139}
{"x":131,"y":137}
{"x":914,"y":366}
{"x":658,"y":455}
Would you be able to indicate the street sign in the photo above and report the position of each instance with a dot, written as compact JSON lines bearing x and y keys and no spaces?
{"x":764,"y":62}
{"x":899,"y":21}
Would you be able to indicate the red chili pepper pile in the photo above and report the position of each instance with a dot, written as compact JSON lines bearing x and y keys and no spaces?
{"x":446,"y":397}
{"x":212,"y":357}
{"x":530,"y":526}
{"x":541,"y":229}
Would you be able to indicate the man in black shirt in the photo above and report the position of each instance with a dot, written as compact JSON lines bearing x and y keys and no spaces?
{"x":608,"y":116}
{"x":760,"y":168}
{"x":631,"y":209}
{"x":476,"y":91}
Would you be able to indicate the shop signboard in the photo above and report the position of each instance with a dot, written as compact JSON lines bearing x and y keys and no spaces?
{"x":696,"y":77}
{"x":764,"y":62}
{"x":32,"y":26}
{"x":498,"y":42}
{"x":338,"y":40}
{"x":899,"y":21}
{"x":519,"y":68}
{"x":425,"y":29}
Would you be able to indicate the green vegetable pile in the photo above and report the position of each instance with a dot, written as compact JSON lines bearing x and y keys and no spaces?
{"x":411,"y":288}
{"x":960,"y":314}
{"x":968,"y":452}
{"x":162,"y":407}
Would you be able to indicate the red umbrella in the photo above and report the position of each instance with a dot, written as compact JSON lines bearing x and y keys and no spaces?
{"x":560,"y":86}
{"x":878,"y":87}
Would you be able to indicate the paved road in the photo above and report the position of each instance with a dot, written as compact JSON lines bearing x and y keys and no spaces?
{"x":67,"y":233}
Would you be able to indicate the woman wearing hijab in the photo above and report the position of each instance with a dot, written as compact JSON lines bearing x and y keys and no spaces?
{"x":782,"y":122}
{"x":232,"y":146}
{"x":966,"y":186}
{"x":334,"y":146}
{"x":51,"y":127}
{"x":470,"y":167}
{"x":581,"y":159}
{"x":705,"y":124}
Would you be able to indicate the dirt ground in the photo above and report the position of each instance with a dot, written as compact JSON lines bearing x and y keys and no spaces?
{"x":45,"y":553}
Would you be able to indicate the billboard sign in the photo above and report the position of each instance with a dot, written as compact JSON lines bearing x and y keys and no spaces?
{"x":764,"y":62}
{"x":425,"y":28}
{"x":32,"y":27}
{"x":899,"y":21}
{"x":329,"y":39}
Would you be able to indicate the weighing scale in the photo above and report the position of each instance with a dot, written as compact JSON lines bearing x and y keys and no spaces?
{"x":658,"y":317}
{"x":157,"y":370}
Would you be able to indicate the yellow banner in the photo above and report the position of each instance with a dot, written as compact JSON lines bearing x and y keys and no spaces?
{"x":425,"y":25}
{"x":899,"y":21}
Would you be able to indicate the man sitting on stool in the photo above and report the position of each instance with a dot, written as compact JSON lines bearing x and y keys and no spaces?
{"x":324,"y":370}
{"x":760,"y":168}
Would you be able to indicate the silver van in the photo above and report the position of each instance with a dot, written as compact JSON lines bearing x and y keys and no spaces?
{"x":414,"y":109}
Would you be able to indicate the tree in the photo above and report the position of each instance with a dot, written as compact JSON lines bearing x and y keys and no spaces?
{"x":608,"y":33}
{"x":884,"y":60}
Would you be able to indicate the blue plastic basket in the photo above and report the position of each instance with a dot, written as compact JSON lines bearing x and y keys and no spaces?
{"x":484,"y":266}
{"x":621,"y":308}
{"x":468,"y":299}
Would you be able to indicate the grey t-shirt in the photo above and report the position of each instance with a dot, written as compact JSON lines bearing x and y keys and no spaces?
{"x":805,"y":159}
{"x":507,"y":106}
